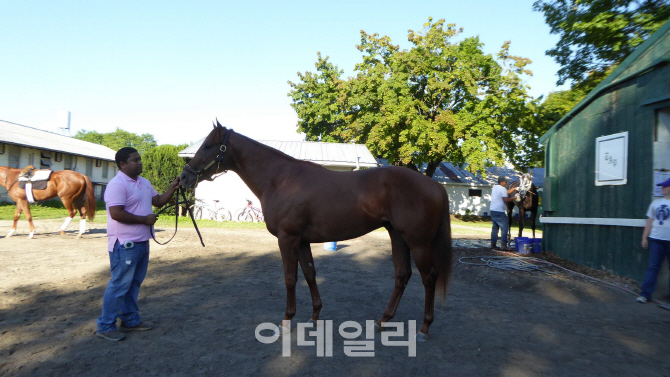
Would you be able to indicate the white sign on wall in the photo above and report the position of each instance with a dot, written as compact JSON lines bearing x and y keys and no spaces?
{"x":612,"y":159}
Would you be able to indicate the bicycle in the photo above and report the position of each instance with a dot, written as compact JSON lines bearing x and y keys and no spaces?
{"x":249,"y":213}
{"x":214,"y":212}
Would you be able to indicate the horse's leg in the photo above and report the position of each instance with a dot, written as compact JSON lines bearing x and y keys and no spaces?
{"x":309,"y":270}
{"x":522,"y":215}
{"x":29,"y":217}
{"x":79,"y":204}
{"x":403,"y":271}
{"x":532,"y":221}
{"x":289,"y":246}
{"x":17,"y":215}
{"x":510,"y":213}
{"x":424,"y":263}
{"x":71,"y":211}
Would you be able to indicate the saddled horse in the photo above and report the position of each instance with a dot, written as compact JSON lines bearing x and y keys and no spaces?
{"x":526,"y":201}
{"x":305,"y":203}
{"x":74,"y":189}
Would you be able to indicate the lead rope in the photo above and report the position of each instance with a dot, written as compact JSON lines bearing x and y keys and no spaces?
{"x":176,"y":218}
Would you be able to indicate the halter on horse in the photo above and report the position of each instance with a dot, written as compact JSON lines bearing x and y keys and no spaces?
{"x":305,"y":203}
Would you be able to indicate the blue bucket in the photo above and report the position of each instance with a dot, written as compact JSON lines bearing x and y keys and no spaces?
{"x":537,"y":245}
{"x":330,"y":246}
{"x":523,"y":245}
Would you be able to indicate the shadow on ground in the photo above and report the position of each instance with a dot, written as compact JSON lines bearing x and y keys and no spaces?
{"x":207,"y":307}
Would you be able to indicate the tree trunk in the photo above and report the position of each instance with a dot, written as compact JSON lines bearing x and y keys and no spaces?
{"x":432,"y":166}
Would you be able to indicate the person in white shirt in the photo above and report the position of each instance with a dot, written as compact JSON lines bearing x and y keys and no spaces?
{"x":656,"y":238}
{"x":500,"y":196}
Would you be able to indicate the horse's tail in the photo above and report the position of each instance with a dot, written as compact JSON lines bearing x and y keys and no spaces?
{"x":443,"y":253}
{"x":90,"y":199}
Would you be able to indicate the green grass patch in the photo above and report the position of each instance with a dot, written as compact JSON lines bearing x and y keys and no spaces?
{"x":54,"y":209}
{"x":51,"y":209}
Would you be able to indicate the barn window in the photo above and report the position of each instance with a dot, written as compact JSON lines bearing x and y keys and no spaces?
{"x":67,"y":162}
{"x":58,"y":157}
{"x":2,"y":148}
{"x":474,"y":192}
{"x":89,"y":167}
{"x":105,"y":169}
{"x":98,"y":163}
{"x":14,"y":156}
{"x":45,"y":160}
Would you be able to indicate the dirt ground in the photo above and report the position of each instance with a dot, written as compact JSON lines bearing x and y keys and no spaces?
{"x":207,"y":303}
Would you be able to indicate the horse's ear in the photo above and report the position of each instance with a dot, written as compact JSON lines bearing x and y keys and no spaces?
{"x":214,"y":125}
{"x":217,"y":123}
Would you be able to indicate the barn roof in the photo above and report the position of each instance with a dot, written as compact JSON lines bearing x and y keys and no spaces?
{"x":327,"y":154}
{"x":12,"y":133}
{"x":450,"y":174}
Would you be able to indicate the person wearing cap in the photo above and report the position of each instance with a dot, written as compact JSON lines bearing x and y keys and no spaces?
{"x":128,"y":198}
{"x":656,"y":238}
{"x":500,"y":196}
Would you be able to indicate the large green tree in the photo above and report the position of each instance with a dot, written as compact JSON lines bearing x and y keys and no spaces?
{"x":439,"y":100}
{"x":597,"y":35}
{"x":161,"y":165}
{"x":118,"y":139}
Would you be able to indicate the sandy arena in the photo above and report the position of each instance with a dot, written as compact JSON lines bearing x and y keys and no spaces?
{"x":207,"y":303}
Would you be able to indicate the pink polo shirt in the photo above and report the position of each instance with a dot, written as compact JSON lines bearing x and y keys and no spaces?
{"x":136,"y":197}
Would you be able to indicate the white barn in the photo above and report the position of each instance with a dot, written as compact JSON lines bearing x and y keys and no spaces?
{"x":21,"y":146}
{"x":471,"y":194}
{"x":230,"y":192}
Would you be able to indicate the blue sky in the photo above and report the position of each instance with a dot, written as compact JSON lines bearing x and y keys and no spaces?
{"x":169,"y":68}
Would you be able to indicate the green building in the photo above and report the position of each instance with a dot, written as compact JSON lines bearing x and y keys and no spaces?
{"x":603,"y":160}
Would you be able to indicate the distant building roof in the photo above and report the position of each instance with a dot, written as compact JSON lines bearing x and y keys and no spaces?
{"x":448,"y":173}
{"x":327,"y":154}
{"x":12,"y":133}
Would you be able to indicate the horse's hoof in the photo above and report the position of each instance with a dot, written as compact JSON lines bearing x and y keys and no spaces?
{"x":281,"y":330}
{"x":378,"y":328}
{"x":62,"y":232}
{"x":421,"y":337}
{"x":11,"y":231}
{"x":79,"y":235}
{"x":31,"y":235}
{"x":312,"y":321}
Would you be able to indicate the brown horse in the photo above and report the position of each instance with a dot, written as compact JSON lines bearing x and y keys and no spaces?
{"x":73,"y":189}
{"x":305,"y":203}
{"x":527,"y":201}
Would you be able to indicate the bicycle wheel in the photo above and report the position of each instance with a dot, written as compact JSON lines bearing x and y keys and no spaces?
{"x":223,"y":215}
{"x":245,"y":216}
{"x":197,"y":212}
{"x":258,"y":217}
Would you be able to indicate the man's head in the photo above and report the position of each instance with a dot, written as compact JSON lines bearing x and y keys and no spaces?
{"x":502,"y":181}
{"x":129,"y":161}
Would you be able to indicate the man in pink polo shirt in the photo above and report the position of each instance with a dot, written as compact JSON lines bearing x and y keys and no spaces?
{"x":129,"y":199}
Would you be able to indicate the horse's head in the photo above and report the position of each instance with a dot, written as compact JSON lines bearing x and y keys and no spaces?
{"x":525,"y":182}
{"x":210,"y":159}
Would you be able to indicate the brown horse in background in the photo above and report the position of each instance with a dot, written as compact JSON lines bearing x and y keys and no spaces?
{"x":304,"y":203}
{"x":527,"y":201}
{"x":74,"y":189}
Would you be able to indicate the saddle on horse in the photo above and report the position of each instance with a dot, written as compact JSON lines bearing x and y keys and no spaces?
{"x":33,"y":179}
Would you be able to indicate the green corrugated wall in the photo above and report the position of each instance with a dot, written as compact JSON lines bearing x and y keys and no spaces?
{"x":571,"y":160}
